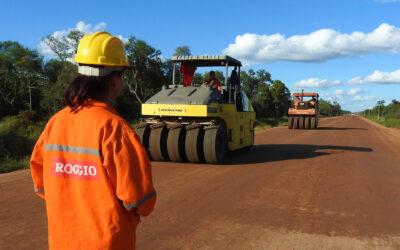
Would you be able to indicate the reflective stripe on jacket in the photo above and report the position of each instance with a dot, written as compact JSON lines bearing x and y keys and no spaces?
{"x":92,"y":171}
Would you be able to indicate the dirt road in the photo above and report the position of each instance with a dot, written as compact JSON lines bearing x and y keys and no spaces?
{"x":337,"y":187}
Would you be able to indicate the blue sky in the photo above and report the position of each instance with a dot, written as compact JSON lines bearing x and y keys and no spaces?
{"x":333,"y":47}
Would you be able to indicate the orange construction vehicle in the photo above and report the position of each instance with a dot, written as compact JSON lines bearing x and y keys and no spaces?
{"x":304,"y":111}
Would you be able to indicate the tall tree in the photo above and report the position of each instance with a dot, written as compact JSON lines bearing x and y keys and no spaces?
{"x":280,"y":97}
{"x":145,"y":77}
{"x":20,"y":71}
{"x":66,"y":46}
{"x":58,"y":75}
{"x":257,"y":86}
{"x":182,"y":51}
{"x":251,"y":81}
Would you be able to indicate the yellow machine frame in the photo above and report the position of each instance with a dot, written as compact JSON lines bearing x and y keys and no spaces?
{"x":239,"y":125}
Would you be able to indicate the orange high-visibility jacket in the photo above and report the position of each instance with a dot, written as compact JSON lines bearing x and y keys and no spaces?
{"x":95,"y":176}
{"x":214,"y":83}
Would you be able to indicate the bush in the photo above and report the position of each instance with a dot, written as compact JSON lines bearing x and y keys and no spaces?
{"x":18,"y":135}
{"x":8,"y":165}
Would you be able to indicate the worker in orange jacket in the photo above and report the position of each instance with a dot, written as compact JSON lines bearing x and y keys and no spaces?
{"x":213,"y":82}
{"x":88,"y":163}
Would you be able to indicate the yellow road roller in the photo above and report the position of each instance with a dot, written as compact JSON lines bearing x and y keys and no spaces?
{"x":197,"y":124}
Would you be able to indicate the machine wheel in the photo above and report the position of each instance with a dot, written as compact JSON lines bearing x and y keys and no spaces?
{"x":290,"y":122}
{"x":312,"y":122}
{"x":316,"y":122}
{"x":158,"y":142}
{"x":176,"y":143}
{"x":301,"y":122}
{"x":194,"y":143}
{"x":296,"y":122}
{"x":143,"y":131}
{"x":307,"y":122}
{"x":215,"y":144}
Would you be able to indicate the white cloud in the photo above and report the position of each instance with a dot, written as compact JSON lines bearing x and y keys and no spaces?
{"x":123,"y":39}
{"x":339,"y":92}
{"x":378,"y":77}
{"x":80,"y":26}
{"x":318,"y":46}
{"x":363,"y":98}
{"x":316,"y":83}
{"x":352,"y":92}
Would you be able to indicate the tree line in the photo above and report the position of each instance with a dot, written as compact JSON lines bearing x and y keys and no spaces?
{"x":28,"y":82}
{"x":31,"y":89}
{"x":382,"y":112}
{"x":328,"y":108}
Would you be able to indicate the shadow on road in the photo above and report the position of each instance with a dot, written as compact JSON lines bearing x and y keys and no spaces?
{"x":335,"y":128}
{"x":279,"y":152}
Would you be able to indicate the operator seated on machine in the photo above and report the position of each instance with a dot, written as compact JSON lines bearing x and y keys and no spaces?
{"x":213,"y":81}
{"x":312,"y":102}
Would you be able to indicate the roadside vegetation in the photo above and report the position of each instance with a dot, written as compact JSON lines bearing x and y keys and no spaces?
{"x":327,"y":108}
{"x":31,"y":90}
{"x":388,"y":115}
{"x":270,"y":122}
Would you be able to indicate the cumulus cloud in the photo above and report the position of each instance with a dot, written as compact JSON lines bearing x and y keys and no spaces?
{"x":363,"y":98}
{"x":352,"y":92}
{"x":61,"y":34}
{"x":316,"y":83}
{"x":341,"y":94}
{"x":350,"y":98}
{"x":318,"y":46}
{"x":378,"y":77}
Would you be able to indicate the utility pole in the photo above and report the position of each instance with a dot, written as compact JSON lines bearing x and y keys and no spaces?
{"x":379,"y":109}
{"x":380,"y":103}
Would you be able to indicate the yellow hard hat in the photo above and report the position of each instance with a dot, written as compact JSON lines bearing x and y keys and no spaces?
{"x":101,"y":48}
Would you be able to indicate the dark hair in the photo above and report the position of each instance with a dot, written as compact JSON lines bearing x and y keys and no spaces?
{"x":85,"y":87}
{"x":212,"y":72}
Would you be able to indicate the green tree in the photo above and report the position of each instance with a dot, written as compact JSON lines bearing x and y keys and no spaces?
{"x":257,"y":86}
{"x":58,"y":75}
{"x":252,"y":81}
{"x":182,"y":51}
{"x":145,"y":76}
{"x":280,"y":97}
{"x":20,"y":71}
{"x":66,"y":46}
{"x":327,"y":108}
{"x":74,"y":37}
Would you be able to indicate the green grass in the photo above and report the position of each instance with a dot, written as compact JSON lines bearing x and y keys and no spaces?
{"x":270,"y":122}
{"x":387,"y":122}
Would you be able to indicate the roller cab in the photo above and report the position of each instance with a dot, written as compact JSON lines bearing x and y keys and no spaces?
{"x":186,"y":123}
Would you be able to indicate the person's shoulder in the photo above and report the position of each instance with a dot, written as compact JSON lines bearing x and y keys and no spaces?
{"x":115,"y":122}
{"x":59,"y":114}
